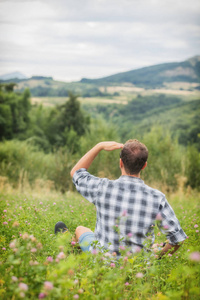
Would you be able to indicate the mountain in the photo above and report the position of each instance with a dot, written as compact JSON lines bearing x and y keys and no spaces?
{"x":14,"y":75}
{"x":155,"y":76}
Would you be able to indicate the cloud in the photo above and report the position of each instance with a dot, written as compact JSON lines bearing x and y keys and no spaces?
{"x":73,"y":39}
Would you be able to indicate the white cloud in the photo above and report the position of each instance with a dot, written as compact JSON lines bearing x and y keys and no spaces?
{"x":73,"y":39}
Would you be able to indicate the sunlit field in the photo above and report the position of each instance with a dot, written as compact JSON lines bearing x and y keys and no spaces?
{"x":36,"y":264}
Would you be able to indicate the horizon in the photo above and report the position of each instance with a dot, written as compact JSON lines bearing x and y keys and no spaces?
{"x":68,"y":81}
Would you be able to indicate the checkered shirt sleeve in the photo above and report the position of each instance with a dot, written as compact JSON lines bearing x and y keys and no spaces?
{"x":169,"y":224}
{"x":87,"y":185}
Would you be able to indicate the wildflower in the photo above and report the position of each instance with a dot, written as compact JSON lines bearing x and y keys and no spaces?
{"x":12,"y":245}
{"x":80,"y":291}
{"x":15,"y":224}
{"x":126,"y":283}
{"x":48,"y":285}
{"x":61,"y":255}
{"x":5,"y":223}
{"x":39,"y":246}
{"x":124,"y":213}
{"x":107,"y":254}
{"x":158,"y":234}
{"x":33,"y":250}
{"x":125,"y":258}
{"x":195,"y":226}
{"x":9,"y":220}
{"x":76,"y":281}
{"x":159,"y":217}
{"x":195,"y":256}
{"x":129,"y":234}
{"x":23,"y":286}
{"x":42,"y":295}
{"x":14,"y":278}
{"x":71,"y":272}
{"x":5,"y":210}
{"x":139,"y":275}
{"x":76,"y":296}
{"x":94,"y":251}
{"x":112,"y":265}
{"x":3,"y":248}
{"x":121,"y":247}
{"x":138,"y":249}
{"x":169,"y":254}
{"x":197,"y":231}
{"x":73,"y":243}
{"x":41,"y":203}
{"x":54,"y":203}
{"x":33,"y":239}
{"x":166,"y":227}
{"x":21,"y":294}
{"x":50,"y":259}
{"x":25,"y":236}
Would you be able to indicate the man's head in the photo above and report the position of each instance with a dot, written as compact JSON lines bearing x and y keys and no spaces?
{"x":134,"y":156}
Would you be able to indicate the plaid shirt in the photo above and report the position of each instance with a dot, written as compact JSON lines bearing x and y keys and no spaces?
{"x":127,"y":210}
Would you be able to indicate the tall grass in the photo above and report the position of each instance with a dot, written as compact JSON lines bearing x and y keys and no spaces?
{"x":34,"y":263}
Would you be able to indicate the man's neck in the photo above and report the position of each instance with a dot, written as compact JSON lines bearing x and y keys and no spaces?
{"x":132,"y":175}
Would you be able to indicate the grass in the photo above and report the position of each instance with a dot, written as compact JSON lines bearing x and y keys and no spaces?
{"x":36,"y":264}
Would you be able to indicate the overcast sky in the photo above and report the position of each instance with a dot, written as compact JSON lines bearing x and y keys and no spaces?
{"x":72,"y":39}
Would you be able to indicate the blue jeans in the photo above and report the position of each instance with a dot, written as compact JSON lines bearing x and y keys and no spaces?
{"x":86,"y":240}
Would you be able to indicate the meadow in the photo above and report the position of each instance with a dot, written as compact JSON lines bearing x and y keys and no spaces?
{"x":39,"y":145}
{"x":36,"y":264}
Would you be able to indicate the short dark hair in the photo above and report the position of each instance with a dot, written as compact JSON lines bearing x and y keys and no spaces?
{"x":134,"y":156}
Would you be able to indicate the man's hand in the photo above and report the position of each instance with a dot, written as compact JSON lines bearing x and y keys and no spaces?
{"x":110,"y":146}
{"x":88,"y":158}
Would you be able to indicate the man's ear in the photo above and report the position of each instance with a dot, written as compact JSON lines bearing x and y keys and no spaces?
{"x":144,"y":165}
{"x":121,"y":163}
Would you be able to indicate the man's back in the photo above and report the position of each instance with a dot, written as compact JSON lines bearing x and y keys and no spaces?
{"x":126,"y":209}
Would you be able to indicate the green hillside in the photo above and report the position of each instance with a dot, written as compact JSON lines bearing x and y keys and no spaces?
{"x":155,"y":76}
{"x":158,"y":76}
{"x":140,"y":115}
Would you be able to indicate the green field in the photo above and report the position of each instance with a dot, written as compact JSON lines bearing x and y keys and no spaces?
{"x":37,"y":264}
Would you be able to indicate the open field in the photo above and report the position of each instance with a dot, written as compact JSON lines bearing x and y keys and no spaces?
{"x":36,"y":264}
{"x":125,"y":94}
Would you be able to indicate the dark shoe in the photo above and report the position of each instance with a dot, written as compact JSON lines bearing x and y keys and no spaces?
{"x":60,"y":227}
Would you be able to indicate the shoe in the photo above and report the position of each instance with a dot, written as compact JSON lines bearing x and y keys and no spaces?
{"x":60,"y":227}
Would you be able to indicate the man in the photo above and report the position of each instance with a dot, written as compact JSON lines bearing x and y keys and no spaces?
{"x":126,"y":208}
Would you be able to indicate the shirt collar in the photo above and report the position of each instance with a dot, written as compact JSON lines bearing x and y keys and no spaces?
{"x":131,"y":178}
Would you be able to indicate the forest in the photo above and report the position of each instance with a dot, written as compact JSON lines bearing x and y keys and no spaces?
{"x":42,"y":143}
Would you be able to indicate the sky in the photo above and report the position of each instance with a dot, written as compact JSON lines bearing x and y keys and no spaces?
{"x":74,"y":39}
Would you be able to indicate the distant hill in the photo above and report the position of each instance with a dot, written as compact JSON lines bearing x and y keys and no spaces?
{"x":158,"y":76}
{"x":155,"y":76}
{"x":14,"y":75}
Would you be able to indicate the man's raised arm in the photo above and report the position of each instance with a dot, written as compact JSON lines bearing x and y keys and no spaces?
{"x":88,"y":158}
